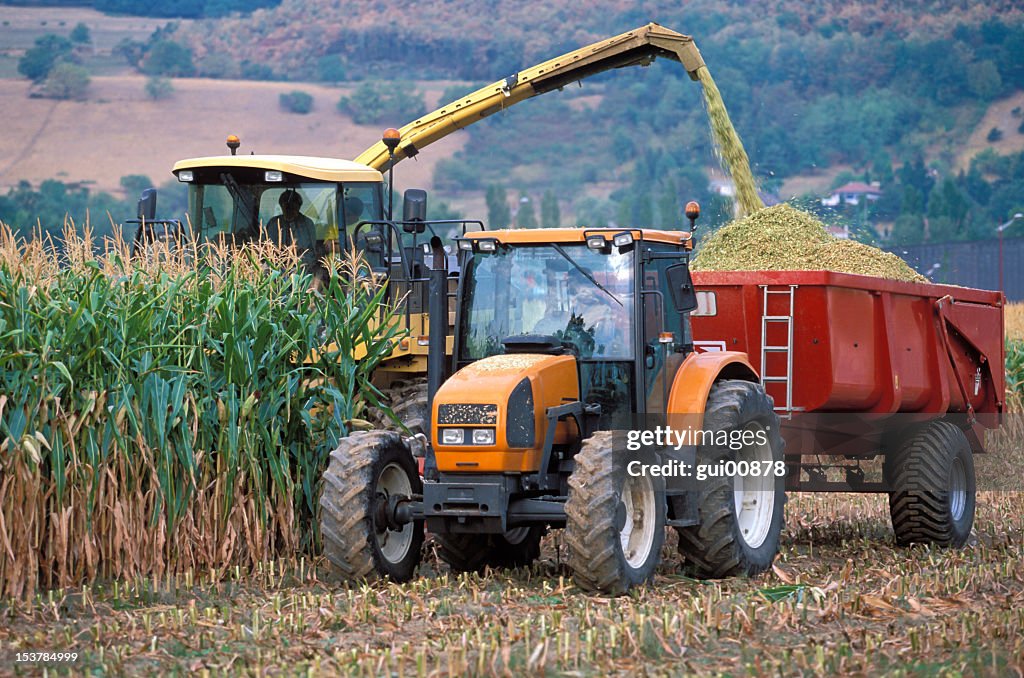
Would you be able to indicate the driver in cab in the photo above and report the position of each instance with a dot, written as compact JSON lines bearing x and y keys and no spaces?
{"x":292,"y":227}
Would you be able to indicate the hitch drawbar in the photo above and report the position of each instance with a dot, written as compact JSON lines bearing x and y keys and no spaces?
{"x":483,"y":506}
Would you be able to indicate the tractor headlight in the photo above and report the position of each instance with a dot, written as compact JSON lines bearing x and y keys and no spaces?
{"x":453,"y":436}
{"x":483,"y":436}
{"x":185,"y":176}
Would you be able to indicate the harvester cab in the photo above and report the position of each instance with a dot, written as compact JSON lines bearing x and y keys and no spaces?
{"x":563,"y":336}
{"x":324,"y":206}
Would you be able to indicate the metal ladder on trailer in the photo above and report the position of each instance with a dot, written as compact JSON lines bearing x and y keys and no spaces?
{"x":785,"y":380}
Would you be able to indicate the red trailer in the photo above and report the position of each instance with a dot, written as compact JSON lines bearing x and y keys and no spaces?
{"x":862,"y":367}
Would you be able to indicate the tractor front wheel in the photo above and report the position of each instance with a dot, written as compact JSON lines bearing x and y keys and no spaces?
{"x":368,"y":474}
{"x":615,"y":522}
{"x":741,"y":516}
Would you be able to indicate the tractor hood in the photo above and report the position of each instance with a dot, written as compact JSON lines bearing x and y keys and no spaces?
{"x":490,"y":416}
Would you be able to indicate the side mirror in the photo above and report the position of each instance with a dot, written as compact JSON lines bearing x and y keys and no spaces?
{"x":680,"y":286}
{"x":147,"y":205}
{"x":414,"y":211}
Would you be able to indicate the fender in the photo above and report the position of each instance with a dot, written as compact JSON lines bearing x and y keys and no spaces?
{"x":696,"y":376}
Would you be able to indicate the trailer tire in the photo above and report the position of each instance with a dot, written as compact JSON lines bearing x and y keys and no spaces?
{"x":518,"y":547}
{"x":366,"y":468}
{"x":408,"y":401}
{"x":931,"y":476}
{"x":606,"y":507}
{"x":738,"y":530}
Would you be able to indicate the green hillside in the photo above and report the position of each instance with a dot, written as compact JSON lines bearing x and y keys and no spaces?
{"x":839,"y":90}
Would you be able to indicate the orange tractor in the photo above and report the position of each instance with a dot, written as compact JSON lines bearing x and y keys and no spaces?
{"x":561,"y":337}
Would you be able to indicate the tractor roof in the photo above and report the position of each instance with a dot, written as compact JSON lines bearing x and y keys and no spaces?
{"x":318,"y":169}
{"x":538,"y":236}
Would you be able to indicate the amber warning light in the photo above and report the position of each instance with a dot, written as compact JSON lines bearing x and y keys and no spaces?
{"x":391,"y":138}
{"x":692,"y":213}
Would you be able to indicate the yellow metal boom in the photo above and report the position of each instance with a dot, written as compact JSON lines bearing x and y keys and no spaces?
{"x":638,"y":47}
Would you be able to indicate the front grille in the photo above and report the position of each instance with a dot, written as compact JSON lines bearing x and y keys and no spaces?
{"x":467,"y":414}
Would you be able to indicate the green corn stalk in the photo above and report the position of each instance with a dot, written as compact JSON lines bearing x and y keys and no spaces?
{"x":187,"y":392}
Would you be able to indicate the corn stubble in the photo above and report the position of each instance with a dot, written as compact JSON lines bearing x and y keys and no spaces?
{"x":783,"y":238}
{"x":160,"y":413}
{"x":841,"y":600}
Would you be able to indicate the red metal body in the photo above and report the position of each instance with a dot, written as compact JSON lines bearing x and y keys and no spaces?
{"x":861,"y":344}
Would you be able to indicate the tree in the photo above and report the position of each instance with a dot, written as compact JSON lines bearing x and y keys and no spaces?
{"x":525,"y":217}
{"x":908,"y":230}
{"x":296,"y":102}
{"x":80,"y":34}
{"x":158,"y":88}
{"x":166,"y":57}
{"x":66,"y":81}
{"x":498,"y":213}
{"x":134,"y":184}
{"x":377,"y":103}
{"x":130,"y":50}
{"x":983,"y":80}
{"x":40,"y":59}
{"x":550,"y":215}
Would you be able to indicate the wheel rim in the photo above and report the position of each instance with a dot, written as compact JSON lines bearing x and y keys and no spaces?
{"x":957,"y":489}
{"x":637,"y":535}
{"x":394,"y":544}
{"x":754,"y":494}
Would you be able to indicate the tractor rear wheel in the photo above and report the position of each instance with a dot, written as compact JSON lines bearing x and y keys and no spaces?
{"x":366,"y":473}
{"x":931,"y":476}
{"x":615,"y":522}
{"x":741,"y":516}
{"x":408,"y":400}
{"x":518,"y":547}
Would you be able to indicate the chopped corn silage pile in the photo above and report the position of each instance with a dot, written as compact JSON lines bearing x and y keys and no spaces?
{"x":783,"y":238}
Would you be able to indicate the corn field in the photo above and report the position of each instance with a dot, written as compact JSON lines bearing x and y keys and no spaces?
{"x":172,"y":411}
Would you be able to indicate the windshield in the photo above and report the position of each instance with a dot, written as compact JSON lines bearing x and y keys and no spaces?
{"x":302,"y":214}
{"x":578,"y":295}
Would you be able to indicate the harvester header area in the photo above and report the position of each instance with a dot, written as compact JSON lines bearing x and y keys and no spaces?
{"x":638,"y":47}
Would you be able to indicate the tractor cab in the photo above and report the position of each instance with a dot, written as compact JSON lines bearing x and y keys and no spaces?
{"x":611,"y":299}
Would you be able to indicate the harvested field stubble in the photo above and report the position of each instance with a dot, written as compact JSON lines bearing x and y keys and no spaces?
{"x":841,"y":600}
{"x":782,"y":238}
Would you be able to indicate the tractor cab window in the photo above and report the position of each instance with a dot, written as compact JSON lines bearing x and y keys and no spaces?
{"x":580,"y":296}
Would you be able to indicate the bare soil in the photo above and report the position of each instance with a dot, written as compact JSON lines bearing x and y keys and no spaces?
{"x":120,"y":131}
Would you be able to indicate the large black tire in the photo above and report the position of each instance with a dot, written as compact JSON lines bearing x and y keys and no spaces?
{"x":931,"y":476}
{"x":598,"y":519}
{"x":734,"y":540}
{"x":474,"y":552}
{"x":408,"y":401}
{"x":365,"y":469}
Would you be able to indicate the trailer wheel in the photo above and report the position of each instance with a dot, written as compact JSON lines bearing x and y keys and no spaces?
{"x":615,"y":523}
{"x":518,"y":547}
{"x":932,"y":479}
{"x":366,"y":470}
{"x":408,"y":400}
{"x":741,"y":517}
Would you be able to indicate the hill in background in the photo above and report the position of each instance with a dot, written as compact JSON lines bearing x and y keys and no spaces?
{"x":821,"y":92}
